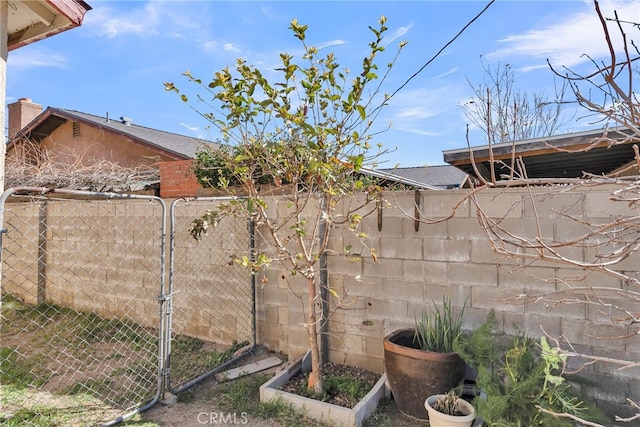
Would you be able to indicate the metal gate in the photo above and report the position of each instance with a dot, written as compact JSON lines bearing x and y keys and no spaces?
{"x":212,"y":298}
{"x":81,"y":318}
{"x":91,"y":332}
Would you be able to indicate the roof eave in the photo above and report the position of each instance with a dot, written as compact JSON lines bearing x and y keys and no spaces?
{"x":67,"y":14}
{"x":26,"y":131}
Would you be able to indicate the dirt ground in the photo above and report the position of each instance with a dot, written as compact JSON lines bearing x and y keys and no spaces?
{"x":201,"y":409}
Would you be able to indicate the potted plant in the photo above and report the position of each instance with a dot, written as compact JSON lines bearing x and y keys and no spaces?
{"x":449,"y":410}
{"x":422,"y":362}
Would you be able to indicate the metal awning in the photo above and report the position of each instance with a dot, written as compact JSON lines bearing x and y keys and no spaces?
{"x":562,"y":156}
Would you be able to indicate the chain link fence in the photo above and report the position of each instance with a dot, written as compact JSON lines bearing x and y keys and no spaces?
{"x":212,"y":306}
{"x":81,"y":318}
{"x":90,"y":331}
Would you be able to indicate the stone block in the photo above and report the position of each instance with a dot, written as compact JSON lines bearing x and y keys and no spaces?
{"x":426,"y":271}
{"x":364,"y":361}
{"x":595,"y":334}
{"x":497,"y":204}
{"x":438,"y":205}
{"x":373,"y":347}
{"x":483,"y":275}
{"x":383,"y":268}
{"x":384,"y":308}
{"x":401,"y":248}
{"x":465,"y":229}
{"x":435,"y":229}
{"x":534,"y":325}
{"x":495,"y":298}
{"x":347,"y":264}
{"x":401,"y":290}
{"x":367,"y":287}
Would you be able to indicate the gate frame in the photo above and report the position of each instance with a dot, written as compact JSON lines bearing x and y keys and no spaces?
{"x":170,"y":292}
{"x":161,"y":298}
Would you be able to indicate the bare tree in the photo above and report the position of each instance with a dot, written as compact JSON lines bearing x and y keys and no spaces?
{"x":599,"y":246}
{"x":506,"y":113}
{"x":28,"y":164}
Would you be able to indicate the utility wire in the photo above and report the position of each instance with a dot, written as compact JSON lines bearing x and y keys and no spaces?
{"x":441,"y":50}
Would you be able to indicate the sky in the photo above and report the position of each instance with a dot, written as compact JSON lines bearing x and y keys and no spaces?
{"x":117,"y":62}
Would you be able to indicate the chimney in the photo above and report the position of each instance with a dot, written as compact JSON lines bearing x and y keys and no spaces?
{"x":21,"y":113}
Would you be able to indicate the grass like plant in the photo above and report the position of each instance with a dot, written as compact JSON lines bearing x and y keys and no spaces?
{"x":439,"y":330}
{"x":449,"y":404}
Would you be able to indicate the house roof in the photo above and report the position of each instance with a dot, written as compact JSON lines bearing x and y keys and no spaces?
{"x":178,"y":146}
{"x":440,"y":176}
{"x":562,"y":156}
{"x":30,"y":21}
{"x":389,"y":175}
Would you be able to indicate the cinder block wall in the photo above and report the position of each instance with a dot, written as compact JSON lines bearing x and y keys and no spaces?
{"x":104,"y":256}
{"x":414,"y":268}
{"x":454,"y":258}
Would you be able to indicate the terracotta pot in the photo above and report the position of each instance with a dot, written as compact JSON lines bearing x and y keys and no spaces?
{"x":415,"y":374}
{"x":438,"y":419}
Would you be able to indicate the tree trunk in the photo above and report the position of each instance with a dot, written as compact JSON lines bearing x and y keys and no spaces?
{"x":315,"y":378}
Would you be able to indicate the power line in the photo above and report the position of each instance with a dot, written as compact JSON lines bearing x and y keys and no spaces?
{"x":441,"y":50}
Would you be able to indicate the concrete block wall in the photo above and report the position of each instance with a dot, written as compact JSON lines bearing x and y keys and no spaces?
{"x":454,"y":258}
{"x":212,"y":299}
{"x":418,"y":263}
{"x":98,"y":256}
{"x":104,"y":256}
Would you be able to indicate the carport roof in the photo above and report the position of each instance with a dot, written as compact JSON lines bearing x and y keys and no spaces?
{"x":563,"y":156}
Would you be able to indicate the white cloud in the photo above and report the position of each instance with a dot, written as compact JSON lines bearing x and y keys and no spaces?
{"x":417,"y":112}
{"x":397,"y":34}
{"x":32,"y":57}
{"x":214,"y":46}
{"x":446,"y":73}
{"x":331,"y":43}
{"x":420,"y":111}
{"x":105,"y":21}
{"x":229,"y":47}
{"x":564,"y":42}
{"x":419,"y":131}
{"x":191,"y":128}
{"x":152,"y":18}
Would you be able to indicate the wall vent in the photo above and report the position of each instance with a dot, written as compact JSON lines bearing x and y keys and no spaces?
{"x":76,"y":129}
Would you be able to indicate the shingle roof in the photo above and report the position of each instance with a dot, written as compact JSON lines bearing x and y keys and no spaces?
{"x":181,"y":145}
{"x":441,"y":176}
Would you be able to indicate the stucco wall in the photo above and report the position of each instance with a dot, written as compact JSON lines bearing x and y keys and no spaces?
{"x":92,"y":144}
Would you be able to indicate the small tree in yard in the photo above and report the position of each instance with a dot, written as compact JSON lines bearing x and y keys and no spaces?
{"x":306,"y":135}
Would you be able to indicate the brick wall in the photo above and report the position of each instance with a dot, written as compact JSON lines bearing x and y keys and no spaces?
{"x":177,"y":180}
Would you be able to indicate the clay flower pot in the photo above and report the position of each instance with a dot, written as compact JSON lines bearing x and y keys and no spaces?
{"x":414,"y":375}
